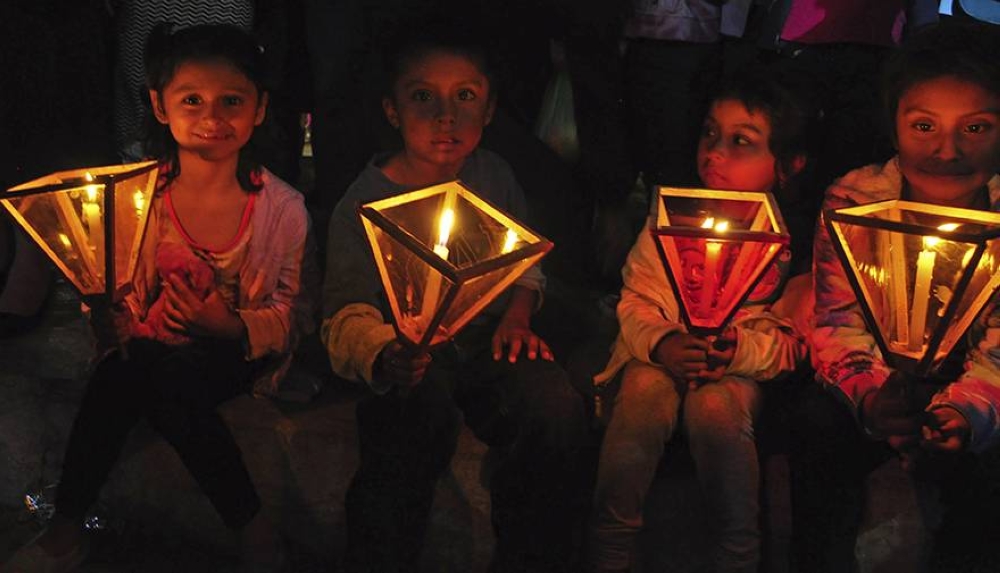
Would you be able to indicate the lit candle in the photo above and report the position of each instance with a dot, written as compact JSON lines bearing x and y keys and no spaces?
{"x":922,"y":289}
{"x":92,"y":214}
{"x":509,"y":241}
{"x":433,"y":287}
{"x":713,"y":250}
{"x":139,"y":200}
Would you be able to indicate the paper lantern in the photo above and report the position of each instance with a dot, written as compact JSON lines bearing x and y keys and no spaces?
{"x":90,"y":222}
{"x":715,"y":246}
{"x":443,"y":254}
{"x":921,"y":272}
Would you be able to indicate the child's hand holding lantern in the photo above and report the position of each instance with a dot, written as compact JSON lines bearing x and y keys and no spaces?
{"x":891,"y":412}
{"x":111,"y":324}
{"x":400,"y":366}
{"x":694,"y":359}
{"x":945,"y":430}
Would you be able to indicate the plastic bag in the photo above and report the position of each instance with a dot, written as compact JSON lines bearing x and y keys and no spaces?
{"x":556,"y":124}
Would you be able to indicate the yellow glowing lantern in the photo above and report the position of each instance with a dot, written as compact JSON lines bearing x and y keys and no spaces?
{"x":921,"y":272}
{"x":715,"y":246}
{"x":90,"y":222}
{"x":444,"y":254}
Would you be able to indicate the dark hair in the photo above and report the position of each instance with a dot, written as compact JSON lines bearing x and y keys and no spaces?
{"x":433,"y":33}
{"x":969,"y":51}
{"x":167,"y":49}
{"x":791,"y":119}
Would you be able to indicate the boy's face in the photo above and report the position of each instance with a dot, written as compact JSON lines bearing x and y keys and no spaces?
{"x":211,"y":108}
{"x":440,"y":104}
{"x":734,"y":150}
{"x":948,"y":132}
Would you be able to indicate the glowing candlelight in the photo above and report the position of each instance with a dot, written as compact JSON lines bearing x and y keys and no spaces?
{"x":92,"y":214}
{"x":713,"y":250}
{"x":922,"y":289}
{"x":509,"y":241}
{"x":139,"y":200}
{"x":433,"y":288}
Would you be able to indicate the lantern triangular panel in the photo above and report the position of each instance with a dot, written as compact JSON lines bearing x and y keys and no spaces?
{"x":922,"y":273}
{"x":715,"y":247}
{"x":443,"y":254}
{"x":69,"y":215}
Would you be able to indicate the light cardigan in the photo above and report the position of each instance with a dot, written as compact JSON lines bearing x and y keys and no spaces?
{"x":278,"y":283}
{"x":845,"y":353}
{"x":768,"y":343}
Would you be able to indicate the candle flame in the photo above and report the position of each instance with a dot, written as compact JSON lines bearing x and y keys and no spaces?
{"x":720,"y":227}
{"x":444,"y":226}
{"x":509,"y":242}
{"x":91,"y":191}
{"x":931,"y":240}
{"x":139,"y":200}
{"x":64,"y":240}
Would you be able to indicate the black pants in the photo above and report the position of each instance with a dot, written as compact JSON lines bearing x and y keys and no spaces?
{"x":177,"y":389}
{"x":527,"y":410}
{"x":830,"y":460}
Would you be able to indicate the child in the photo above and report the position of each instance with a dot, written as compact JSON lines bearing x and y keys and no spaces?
{"x":213,"y":203}
{"x":753,"y":139}
{"x":942,"y":91}
{"x":498,"y":373}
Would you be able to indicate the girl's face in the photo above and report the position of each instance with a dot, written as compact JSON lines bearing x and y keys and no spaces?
{"x":948,"y":132}
{"x":211,"y":108}
{"x":440,"y":104}
{"x":734,"y":150}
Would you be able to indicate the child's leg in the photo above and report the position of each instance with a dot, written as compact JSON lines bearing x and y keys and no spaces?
{"x":114,"y":401}
{"x":643,"y":420}
{"x":829,"y":461}
{"x":719,"y":421}
{"x":187,"y":384}
{"x":406,"y":444}
{"x":535,"y":424}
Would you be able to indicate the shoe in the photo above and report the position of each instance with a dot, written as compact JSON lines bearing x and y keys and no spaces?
{"x":31,"y":558}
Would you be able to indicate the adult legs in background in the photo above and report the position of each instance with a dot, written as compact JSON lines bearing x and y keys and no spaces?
{"x":644,"y":419}
{"x":719,"y":421}
{"x":667,"y":88}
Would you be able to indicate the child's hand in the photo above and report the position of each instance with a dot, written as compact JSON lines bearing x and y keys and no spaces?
{"x":685,"y":356}
{"x":111,"y":324}
{"x":515,"y":334}
{"x":187,"y":313}
{"x":946,"y":430}
{"x":720,"y":355}
{"x":400,"y":366}
{"x":890,"y":413}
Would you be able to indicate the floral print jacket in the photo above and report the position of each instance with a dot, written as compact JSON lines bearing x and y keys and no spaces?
{"x":844,"y":352}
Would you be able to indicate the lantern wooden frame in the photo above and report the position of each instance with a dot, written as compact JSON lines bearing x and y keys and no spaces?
{"x":767,"y":228}
{"x":376,"y":220}
{"x":981,"y":231}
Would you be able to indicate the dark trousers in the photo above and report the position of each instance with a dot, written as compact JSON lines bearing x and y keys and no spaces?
{"x":528,"y":411}
{"x":668,"y":86}
{"x":177,"y":389}
{"x":830,"y":460}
